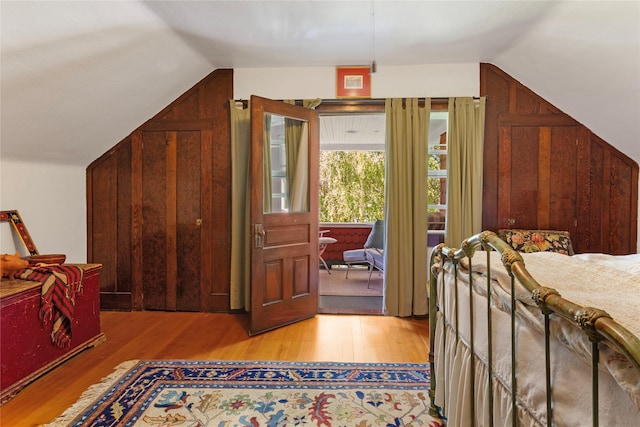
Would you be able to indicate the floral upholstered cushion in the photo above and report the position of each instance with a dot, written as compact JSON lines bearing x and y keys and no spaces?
{"x":538,"y":240}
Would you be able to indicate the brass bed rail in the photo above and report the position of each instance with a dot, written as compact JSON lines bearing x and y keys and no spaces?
{"x":595,"y":323}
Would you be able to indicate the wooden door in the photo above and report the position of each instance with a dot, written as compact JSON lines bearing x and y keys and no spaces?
{"x":538,"y":169}
{"x":284,"y":255}
{"x":171,"y":220}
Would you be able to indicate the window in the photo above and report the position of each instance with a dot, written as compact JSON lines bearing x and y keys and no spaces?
{"x":437,"y":172}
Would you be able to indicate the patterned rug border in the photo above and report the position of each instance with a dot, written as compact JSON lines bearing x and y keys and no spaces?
{"x":257,"y":375}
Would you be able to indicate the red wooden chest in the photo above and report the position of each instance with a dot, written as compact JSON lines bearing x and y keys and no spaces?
{"x":26,"y":347}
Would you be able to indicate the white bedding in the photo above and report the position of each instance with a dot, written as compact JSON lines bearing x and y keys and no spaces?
{"x":589,"y":281}
{"x":595,"y":278}
{"x":627,"y":263}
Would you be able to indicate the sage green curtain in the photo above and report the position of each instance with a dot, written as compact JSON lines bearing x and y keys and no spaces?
{"x":292,"y":133}
{"x":405,"y":265}
{"x":296,"y":140}
{"x":240,"y":213}
{"x":465,"y":146}
{"x":299,"y":183}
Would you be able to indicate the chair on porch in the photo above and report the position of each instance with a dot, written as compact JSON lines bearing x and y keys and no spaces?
{"x":374,"y":242}
{"x":354,"y":257}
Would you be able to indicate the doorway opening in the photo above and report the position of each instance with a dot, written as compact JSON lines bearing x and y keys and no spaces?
{"x":352,"y":148}
{"x":351,"y":199}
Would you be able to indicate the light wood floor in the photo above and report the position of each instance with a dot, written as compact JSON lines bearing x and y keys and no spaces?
{"x":207,"y":336}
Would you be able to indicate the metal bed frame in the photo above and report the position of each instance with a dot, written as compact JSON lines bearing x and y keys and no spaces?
{"x":598,"y":326}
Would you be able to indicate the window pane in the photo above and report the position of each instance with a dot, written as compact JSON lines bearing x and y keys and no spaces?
{"x":437,"y":162}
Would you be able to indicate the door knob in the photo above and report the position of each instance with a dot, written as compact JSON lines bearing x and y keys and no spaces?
{"x":199,"y":222}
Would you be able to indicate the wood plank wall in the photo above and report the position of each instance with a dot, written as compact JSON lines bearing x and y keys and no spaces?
{"x":159,"y":207}
{"x":543,"y":169}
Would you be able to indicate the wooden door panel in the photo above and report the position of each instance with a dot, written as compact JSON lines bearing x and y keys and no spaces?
{"x":301,"y":269}
{"x":104,"y":228}
{"x":611,"y":202}
{"x":288,"y":290}
{"x":274,"y":281}
{"x":188,"y":221}
{"x":562,"y":180}
{"x":622,"y":241}
{"x":154,"y":221}
{"x":523,"y":192}
{"x":124,"y":221}
{"x":597,"y":206}
{"x":286,"y":235}
{"x":503,"y":187}
{"x":171,"y":226}
{"x":284,"y":254}
{"x":286,"y":269}
{"x":110,"y":242}
{"x":538,"y":177}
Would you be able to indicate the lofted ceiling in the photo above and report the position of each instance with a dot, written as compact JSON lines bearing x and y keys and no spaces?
{"x":78,"y":76}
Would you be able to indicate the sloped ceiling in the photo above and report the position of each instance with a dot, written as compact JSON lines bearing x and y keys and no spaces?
{"x":79,"y":76}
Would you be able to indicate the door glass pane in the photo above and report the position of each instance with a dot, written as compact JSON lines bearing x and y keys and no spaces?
{"x":286,"y":164}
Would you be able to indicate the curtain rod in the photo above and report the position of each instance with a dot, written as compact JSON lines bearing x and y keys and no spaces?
{"x":365,"y":101}
{"x":378,"y":100}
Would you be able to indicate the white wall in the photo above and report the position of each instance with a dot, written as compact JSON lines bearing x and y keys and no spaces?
{"x":434,"y":80}
{"x":51,"y":201}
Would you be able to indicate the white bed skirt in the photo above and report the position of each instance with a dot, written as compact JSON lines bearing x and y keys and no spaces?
{"x":571,"y":377}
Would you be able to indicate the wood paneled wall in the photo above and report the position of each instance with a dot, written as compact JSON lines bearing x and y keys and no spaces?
{"x":545,"y":170}
{"x":159,"y":207}
{"x":159,"y":202}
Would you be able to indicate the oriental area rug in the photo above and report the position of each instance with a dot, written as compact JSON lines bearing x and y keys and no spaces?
{"x":271,"y":394}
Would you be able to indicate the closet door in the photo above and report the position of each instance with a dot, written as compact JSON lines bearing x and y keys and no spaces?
{"x":171,"y":220}
{"x":537,"y":183}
